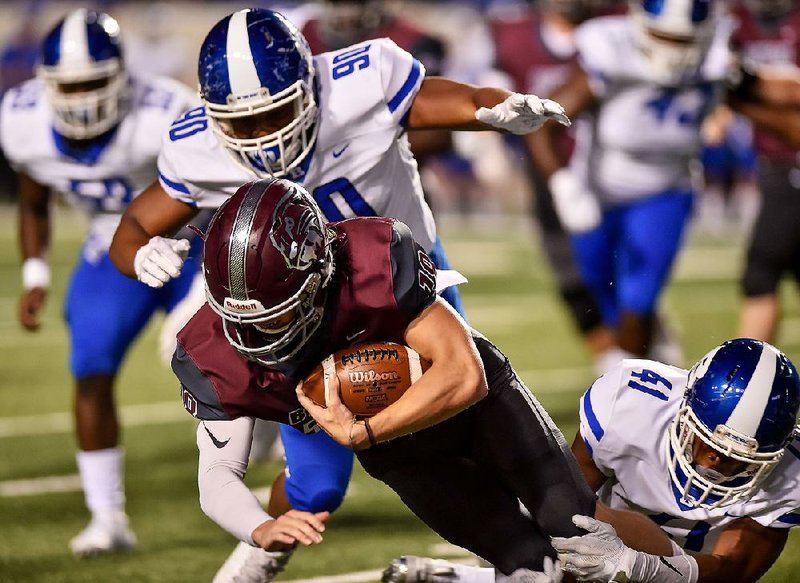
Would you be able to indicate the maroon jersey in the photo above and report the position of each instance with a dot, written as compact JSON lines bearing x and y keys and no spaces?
{"x":427,"y":49}
{"x":520,"y":51}
{"x":773,"y":42}
{"x":383,"y":281}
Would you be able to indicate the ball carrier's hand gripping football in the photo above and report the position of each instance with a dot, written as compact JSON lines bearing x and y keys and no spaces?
{"x":355,"y":383}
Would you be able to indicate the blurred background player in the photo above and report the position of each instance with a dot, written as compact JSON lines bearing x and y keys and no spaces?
{"x":336,"y":123}
{"x":535,"y":47}
{"x":710,"y":454}
{"x":625,"y":195}
{"x":768,"y":33}
{"x":86,"y":129}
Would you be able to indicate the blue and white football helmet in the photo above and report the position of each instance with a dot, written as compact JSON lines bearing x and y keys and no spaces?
{"x":83,"y":73}
{"x":674,"y":35}
{"x":742,"y":400}
{"x":256,"y":68}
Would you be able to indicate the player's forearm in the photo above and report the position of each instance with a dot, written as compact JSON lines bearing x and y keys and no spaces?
{"x":445,"y":104}
{"x":34,"y":218}
{"x":444,"y":390}
{"x":128,"y":238}
{"x":224,"y":448}
{"x":34,"y":232}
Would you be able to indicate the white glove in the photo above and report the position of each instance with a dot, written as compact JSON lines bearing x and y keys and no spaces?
{"x":599,"y":555}
{"x":522,"y":114}
{"x":578,"y":209}
{"x":160,"y":260}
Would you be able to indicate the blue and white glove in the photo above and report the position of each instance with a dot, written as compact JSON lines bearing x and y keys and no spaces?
{"x":600,"y":555}
{"x":522,"y":114}
{"x":160,"y":260}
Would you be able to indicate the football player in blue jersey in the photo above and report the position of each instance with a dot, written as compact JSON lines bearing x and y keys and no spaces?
{"x":710,"y":454}
{"x":86,"y":129}
{"x":337,"y":123}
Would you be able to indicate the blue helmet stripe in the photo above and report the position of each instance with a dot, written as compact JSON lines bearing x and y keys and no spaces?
{"x":215,"y":83}
{"x":100,"y":29}
{"x":728,"y":373}
{"x":653,"y":7}
{"x":408,"y":86}
{"x":594,"y":424}
{"x":51,"y":48}
{"x":701,"y":10}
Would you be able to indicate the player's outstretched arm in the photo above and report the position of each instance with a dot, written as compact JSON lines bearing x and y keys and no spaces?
{"x":153,"y":214}
{"x":446,"y":104}
{"x":34,"y":240}
{"x":782,"y":122}
{"x":744,"y":552}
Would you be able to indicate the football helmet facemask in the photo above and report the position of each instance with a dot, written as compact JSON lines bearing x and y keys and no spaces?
{"x":83,"y":74}
{"x":742,"y":401}
{"x":257,"y":82}
{"x":674,"y":35}
{"x":267,"y":261}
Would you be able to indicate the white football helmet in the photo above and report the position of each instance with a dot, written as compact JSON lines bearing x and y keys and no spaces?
{"x":84,"y":76}
{"x":674,"y":35}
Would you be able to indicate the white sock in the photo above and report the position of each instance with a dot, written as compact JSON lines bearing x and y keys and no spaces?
{"x":101,"y":476}
{"x":611,"y":358}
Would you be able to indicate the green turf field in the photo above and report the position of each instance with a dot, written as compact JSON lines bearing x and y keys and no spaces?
{"x":509,"y":298}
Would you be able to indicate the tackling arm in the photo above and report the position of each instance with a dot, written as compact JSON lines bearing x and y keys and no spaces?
{"x":445,"y":104}
{"x":744,"y":552}
{"x":151,"y":214}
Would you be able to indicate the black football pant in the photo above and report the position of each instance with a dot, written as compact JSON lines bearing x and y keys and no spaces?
{"x":466,"y":476}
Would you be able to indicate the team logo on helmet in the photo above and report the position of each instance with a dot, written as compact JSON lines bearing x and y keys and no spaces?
{"x":297,"y":232}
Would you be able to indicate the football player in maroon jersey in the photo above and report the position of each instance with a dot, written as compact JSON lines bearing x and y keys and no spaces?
{"x":462,"y":447}
{"x":768,"y":35}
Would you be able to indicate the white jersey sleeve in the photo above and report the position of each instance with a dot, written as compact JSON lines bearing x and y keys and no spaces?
{"x":401,"y":78}
{"x":596,"y":411}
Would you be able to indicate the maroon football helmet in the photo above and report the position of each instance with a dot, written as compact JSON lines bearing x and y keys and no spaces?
{"x":267,"y":259}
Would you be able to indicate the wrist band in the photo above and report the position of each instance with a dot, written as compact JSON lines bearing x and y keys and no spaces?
{"x":35,"y":273}
{"x":370,"y":435}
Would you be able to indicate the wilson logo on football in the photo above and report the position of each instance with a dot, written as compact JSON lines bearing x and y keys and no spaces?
{"x":371,"y":376}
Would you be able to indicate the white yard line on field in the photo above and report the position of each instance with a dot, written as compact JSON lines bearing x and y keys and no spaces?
{"x":37,"y":486}
{"x":541,"y":380}
{"x":132,"y":416}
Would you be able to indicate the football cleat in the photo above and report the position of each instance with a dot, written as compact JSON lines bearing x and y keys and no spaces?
{"x":104,"y":535}
{"x":411,"y":569}
{"x":248,"y":564}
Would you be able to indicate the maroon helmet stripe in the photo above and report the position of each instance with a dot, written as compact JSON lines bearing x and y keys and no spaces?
{"x":240,"y":236}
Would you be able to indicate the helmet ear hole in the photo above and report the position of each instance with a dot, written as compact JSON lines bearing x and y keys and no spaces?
{"x":741,"y":401}
{"x":268,"y":260}
{"x":84,"y":75}
{"x":246,"y":89}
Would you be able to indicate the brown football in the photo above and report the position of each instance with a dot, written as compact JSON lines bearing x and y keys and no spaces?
{"x":369,"y":376}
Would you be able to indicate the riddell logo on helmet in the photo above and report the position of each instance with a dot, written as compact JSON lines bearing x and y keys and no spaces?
{"x":243,"y":306}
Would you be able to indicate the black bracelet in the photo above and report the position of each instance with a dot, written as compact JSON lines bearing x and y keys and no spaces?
{"x":370,"y":435}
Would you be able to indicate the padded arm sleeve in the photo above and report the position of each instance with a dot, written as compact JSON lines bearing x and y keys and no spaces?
{"x":224,"y":450}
